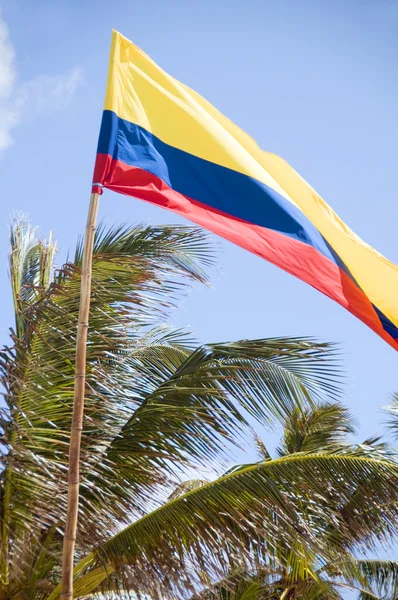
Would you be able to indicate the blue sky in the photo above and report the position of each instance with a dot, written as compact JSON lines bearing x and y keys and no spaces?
{"x":317,"y":85}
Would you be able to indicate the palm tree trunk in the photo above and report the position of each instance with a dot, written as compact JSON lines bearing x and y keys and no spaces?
{"x":78,"y":402}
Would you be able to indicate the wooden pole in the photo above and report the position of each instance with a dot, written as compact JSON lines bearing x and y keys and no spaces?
{"x":78,"y":402}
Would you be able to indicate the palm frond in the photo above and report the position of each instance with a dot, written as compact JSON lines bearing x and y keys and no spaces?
{"x":392,"y":412}
{"x":31,"y":261}
{"x":365,"y":595}
{"x":187,"y":486}
{"x":193,"y":403}
{"x":261,"y":448}
{"x":315,"y":428}
{"x":381,"y":576}
{"x":265,"y":510}
{"x":185,"y":249}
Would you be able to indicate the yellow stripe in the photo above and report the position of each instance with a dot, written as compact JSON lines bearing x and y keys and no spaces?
{"x":142,"y":93}
{"x":377,"y":276}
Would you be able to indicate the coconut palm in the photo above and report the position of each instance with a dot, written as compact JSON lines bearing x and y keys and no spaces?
{"x":155,"y":406}
{"x":289,"y":572}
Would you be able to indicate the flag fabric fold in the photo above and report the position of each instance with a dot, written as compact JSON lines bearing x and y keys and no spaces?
{"x":163,"y":143}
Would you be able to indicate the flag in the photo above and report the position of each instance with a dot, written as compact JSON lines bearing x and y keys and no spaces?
{"x":163,"y":143}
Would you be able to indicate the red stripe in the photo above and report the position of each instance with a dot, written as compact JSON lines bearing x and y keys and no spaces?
{"x":298,"y":259}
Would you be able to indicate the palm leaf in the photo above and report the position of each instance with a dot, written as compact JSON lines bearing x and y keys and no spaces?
{"x":187,"y":486}
{"x":392,"y":412}
{"x":265,"y":510}
{"x":381,"y":576}
{"x":315,"y":428}
{"x":189,"y":397}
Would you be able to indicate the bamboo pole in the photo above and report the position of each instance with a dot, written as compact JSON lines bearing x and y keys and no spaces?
{"x":78,"y":402}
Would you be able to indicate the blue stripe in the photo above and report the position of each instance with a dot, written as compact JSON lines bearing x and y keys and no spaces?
{"x":220,"y":188}
{"x":387,"y":325}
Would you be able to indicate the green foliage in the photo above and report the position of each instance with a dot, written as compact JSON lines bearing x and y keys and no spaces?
{"x":392,"y":412}
{"x":315,"y":457}
{"x":156,"y":406}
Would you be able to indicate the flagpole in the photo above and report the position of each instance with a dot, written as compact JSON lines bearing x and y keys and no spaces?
{"x":78,"y":399}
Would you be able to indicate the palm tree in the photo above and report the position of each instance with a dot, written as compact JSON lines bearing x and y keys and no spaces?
{"x":155,"y":406}
{"x":289,"y":572}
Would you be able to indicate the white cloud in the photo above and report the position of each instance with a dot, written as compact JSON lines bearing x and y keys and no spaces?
{"x":42,"y":94}
{"x":8,"y":113}
{"x":47,"y":93}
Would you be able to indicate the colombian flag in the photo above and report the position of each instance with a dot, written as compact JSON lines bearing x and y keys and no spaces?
{"x":163,"y":143}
